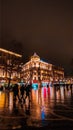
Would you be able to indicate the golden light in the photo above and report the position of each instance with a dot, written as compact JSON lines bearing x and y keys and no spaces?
{"x":10,"y":52}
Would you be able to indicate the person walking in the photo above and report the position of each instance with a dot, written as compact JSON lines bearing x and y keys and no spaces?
{"x":22,"y":89}
{"x":28,"y":89}
{"x":16,"y":91}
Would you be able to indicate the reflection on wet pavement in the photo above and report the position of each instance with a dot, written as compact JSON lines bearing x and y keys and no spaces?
{"x":46,"y":105}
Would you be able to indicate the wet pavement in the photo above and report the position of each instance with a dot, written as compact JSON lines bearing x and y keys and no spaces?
{"x":48,"y":108}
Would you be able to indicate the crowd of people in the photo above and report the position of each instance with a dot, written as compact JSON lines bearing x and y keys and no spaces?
{"x":21,"y":92}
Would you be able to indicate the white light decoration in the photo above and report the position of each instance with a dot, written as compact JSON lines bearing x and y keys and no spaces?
{"x":10,"y":52}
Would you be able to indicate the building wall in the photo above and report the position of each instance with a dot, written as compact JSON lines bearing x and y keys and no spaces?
{"x":40,"y":70}
{"x":8,"y":65}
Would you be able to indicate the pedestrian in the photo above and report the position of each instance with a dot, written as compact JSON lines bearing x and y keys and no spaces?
{"x":16,"y":91}
{"x":28,"y":89}
{"x":22,"y":89}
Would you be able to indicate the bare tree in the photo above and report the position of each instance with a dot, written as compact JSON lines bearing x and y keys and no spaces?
{"x":14,"y":66}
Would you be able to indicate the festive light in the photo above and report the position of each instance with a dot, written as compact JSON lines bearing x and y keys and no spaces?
{"x":10,"y":52}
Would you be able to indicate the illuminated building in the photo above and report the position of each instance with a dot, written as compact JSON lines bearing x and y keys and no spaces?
{"x":36,"y":69}
{"x":9,"y":64}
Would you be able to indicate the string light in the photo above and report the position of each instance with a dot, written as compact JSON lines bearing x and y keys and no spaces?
{"x":10,"y":52}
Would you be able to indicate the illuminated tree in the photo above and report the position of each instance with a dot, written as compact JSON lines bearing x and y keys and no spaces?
{"x":10,"y":62}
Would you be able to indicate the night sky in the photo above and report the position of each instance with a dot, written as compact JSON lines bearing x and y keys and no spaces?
{"x":41,"y":26}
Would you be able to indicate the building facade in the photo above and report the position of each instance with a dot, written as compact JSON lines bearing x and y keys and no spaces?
{"x":36,"y":69}
{"x":9,"y":65}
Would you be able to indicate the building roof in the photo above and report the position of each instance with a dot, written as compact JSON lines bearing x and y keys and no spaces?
{"x":35,"y":56}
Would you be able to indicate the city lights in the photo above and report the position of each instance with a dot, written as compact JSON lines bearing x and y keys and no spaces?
{"x":40,"y":70}
{"x":9,"y":52}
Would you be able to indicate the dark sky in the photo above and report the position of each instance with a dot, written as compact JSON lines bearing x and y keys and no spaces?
{"x":41,"y":26}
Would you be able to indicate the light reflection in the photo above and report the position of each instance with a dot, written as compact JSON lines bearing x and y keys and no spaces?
{"x":42,"y":100}
{"x":52,"y":93}
{"x":44,"y":91}
{"x":48,"y":90}
{"x":2,"y":100}
{"x":43,"y":113}
{"x":67,"y":93}
{"x":10,"y":101}
{"x":58,"y":95}
{"x":52,"y":97}
{"x":44,"y":95}
{"x":35,"y":102}
{"x":35,"y":96}
{"x":62,"y":94}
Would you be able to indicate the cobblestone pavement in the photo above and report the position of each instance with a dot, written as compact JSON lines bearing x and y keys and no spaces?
{"x":48,"y":108}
